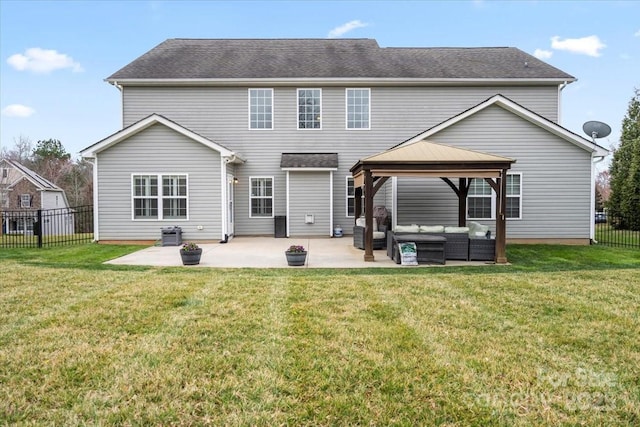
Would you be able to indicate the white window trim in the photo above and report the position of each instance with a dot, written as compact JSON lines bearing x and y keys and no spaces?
{"x":273,"y":196}
{"x":346,"y":108}
{"x":159,"y":197}
{"x":298,"y":108}
{"x":493,"y":202}
{"x":273,"y":113}
{"x":24,"y":197}
{"x":519,"y":196}
{"x":347,"y":197}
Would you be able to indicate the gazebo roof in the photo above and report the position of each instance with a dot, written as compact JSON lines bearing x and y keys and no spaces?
{"x":425,"y":158}
{"x":431,"y":152}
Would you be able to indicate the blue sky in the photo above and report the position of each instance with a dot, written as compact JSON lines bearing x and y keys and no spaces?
{"x":55,"y":55}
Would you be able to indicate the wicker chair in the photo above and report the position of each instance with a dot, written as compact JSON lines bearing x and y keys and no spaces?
{"x":379,"y":235}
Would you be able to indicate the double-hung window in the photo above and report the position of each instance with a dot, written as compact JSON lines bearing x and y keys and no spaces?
{"x":260,"y":108}
{"x":514,"y":196}
{"x":358,"y":108}
{"x":25,"y":200}
{"x":261,"y":197}
{"x":351,"y":197}
{"x":481,"y":200}
{"x":174,"y":196}
{"x":309,"y":108}
{"x":157,"y":196}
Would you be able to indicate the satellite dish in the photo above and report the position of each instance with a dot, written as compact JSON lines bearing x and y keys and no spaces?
{"x":596,"y":129}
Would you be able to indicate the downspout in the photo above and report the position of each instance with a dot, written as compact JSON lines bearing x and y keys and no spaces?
{"x":560,"y":88}
{"x":96,"y":228}
{"x":592,"y":229}
{"x":115,"y":83}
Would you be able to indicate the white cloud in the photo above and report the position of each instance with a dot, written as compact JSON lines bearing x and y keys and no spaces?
{"x":542,"y":54}
{"x":637,"y":33}
{"x":590,"y":45}
{"x":345,"y":28}
{"x":17,"y":110}
{"x":43,"y":61}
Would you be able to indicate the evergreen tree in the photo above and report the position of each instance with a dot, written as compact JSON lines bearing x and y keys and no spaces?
{"x":625,"y":171}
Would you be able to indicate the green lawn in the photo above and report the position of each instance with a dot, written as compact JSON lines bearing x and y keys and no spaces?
{"x":549,"y":340}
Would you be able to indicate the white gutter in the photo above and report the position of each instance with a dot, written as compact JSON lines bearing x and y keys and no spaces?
{"x":369,"y":81}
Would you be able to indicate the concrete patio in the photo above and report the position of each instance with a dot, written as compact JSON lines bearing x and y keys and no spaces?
{"x":268,"y":252}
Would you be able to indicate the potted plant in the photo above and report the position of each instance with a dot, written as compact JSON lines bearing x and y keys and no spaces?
{"x":190,"y":253}
{"x":296,"y":255}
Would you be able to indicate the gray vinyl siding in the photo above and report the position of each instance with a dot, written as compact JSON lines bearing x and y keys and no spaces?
{"x":221,"y":114}
{"x":555,"y":178}
{"x":309,"y":194}
{"x":161,"y":150}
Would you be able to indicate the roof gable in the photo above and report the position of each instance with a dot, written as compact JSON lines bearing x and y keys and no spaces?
{"x":145,"y":123}
{"x":220,"y":59}
{"x":520,"y":111}
{"x":38,"y":181}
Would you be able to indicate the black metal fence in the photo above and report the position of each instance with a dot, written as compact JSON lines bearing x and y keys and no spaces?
{"x":46,"y":227}
{"x":617,"y":231}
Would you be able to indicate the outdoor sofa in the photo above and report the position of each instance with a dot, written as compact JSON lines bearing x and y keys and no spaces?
{"x":472,"y":243}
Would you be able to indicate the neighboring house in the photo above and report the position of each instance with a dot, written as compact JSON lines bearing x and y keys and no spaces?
{"x":226,"y":137}
{"x":22,"y":194}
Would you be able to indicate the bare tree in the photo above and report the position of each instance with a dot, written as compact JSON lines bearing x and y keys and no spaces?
{"x":21,"y":151}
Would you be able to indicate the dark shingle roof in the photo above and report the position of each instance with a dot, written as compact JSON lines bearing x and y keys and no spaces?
{"x":36,"y":179}
{"x":309,"y":160}
{"x":329,"y":58}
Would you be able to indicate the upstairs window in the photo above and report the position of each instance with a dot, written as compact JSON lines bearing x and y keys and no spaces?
{"x":358,"y":108}
{"x":261,"y":197}
{"x":260,"y":108}
{"x":309,"y":108}
{"x":25,"y":200}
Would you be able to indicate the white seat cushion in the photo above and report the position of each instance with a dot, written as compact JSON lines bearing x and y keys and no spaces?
{"x":431,"y":228}
{"x":413,"y":228}
{"x":378,"y":235}
{"x":361,"y":222}
{"x":456,"y":229}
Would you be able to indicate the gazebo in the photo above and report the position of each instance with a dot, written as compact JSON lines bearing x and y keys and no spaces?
{"x":429,"y":159}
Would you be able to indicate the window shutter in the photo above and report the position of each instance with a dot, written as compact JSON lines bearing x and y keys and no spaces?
{"x":30,"y":200}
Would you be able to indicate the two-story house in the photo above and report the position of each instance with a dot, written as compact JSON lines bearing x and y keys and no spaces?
{"x":22,"y":193}
{"x":221,"y":137}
